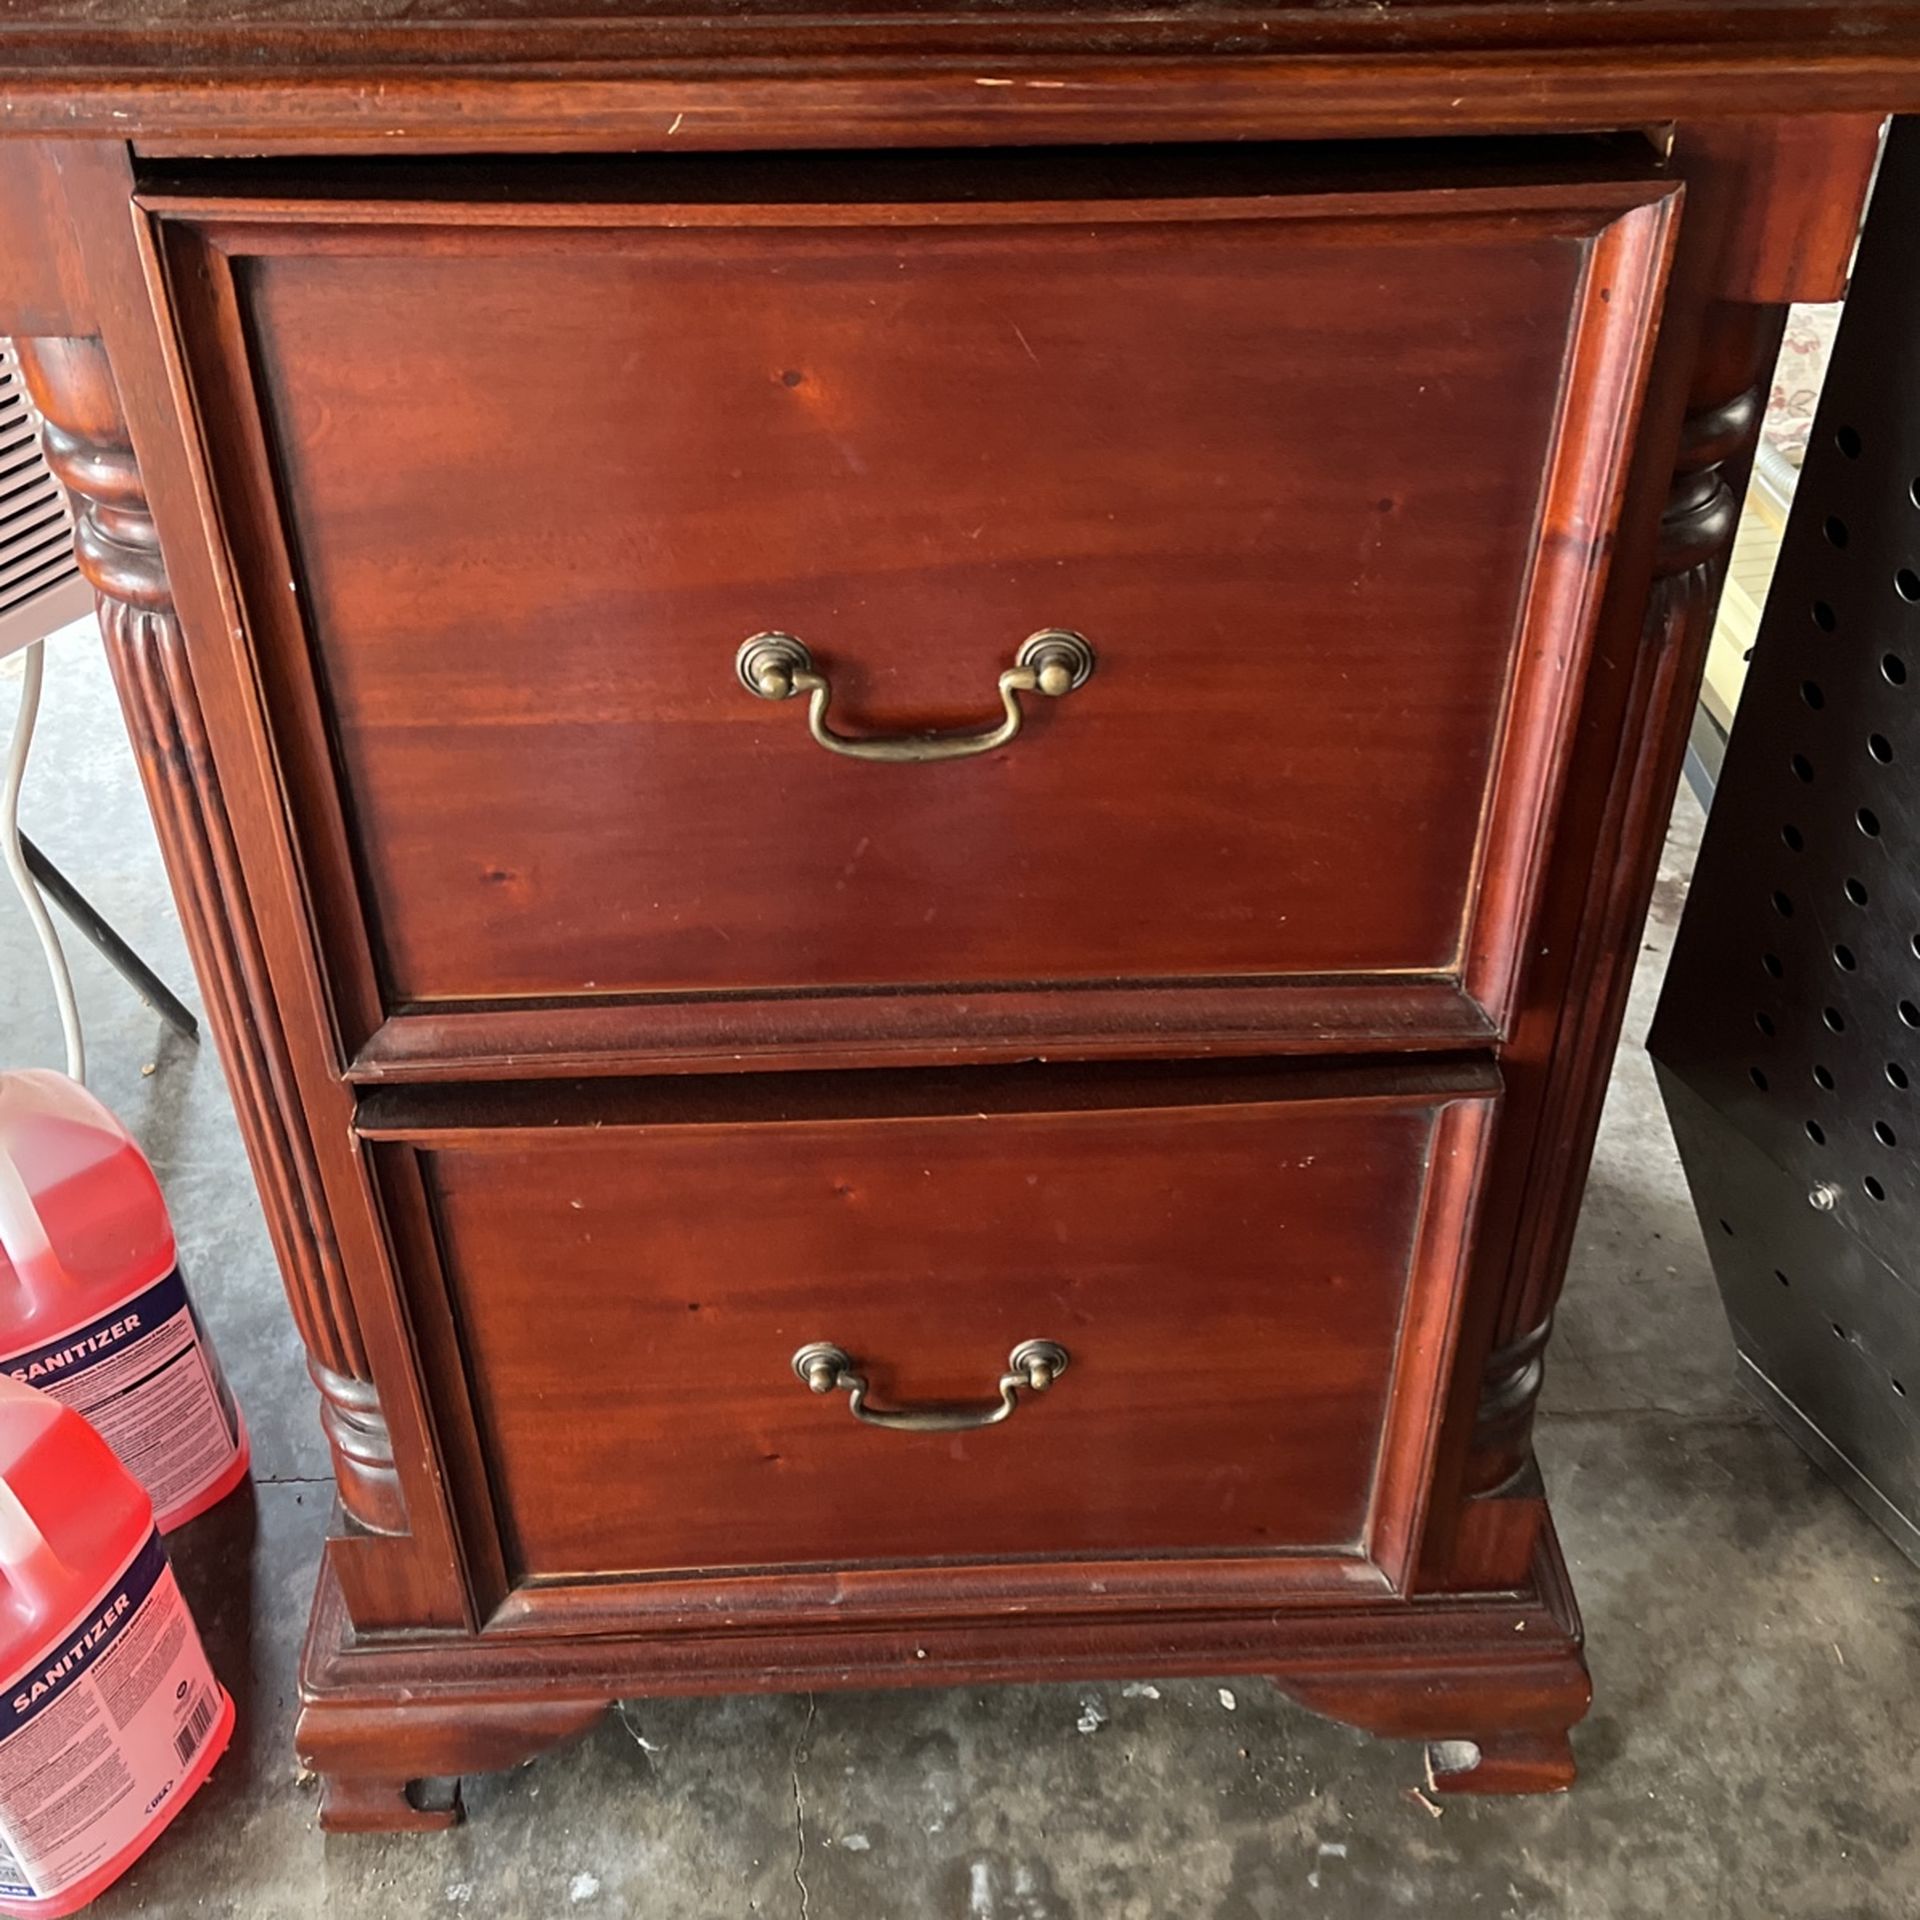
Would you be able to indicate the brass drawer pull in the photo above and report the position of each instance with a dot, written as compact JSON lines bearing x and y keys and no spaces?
{"x":1033,"y":1364}
{"x":776,"y":666}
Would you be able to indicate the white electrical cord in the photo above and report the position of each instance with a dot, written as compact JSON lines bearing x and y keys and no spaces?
{"x":16,"y":859}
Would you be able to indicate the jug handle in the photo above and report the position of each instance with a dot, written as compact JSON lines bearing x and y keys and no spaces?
{"x":23,"y":1234}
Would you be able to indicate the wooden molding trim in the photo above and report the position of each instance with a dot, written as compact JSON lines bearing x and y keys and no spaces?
{"x":1696,"y":530}
{"x":1503,"y":1428}
{"x":119,"y":551}
{"x":771,"y":79}
{"x":1695,"y":538}
{"x":1501,"y":1674}
{"x":356,"y":1431}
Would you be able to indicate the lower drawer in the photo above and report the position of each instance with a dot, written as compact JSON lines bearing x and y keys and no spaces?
{"x":1251,"y":1275}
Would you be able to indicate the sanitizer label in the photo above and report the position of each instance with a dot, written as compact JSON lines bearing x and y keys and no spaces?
{"x":101,"y":1731}
{"x":147,"y":1381}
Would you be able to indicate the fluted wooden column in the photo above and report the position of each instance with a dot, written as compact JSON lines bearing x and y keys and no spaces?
{"x":1726,"y":404}
{"x":89,"y":449}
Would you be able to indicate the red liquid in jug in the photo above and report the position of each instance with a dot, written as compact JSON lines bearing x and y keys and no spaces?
{"x":110,"y":1717}
{"x":93,"y":1308}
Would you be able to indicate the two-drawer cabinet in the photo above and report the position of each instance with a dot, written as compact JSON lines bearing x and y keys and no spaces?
{"x":917,"y":870}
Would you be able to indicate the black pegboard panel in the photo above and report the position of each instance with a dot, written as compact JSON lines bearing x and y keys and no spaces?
{"x":1827,"y":1340}
{"x":1788,"y":1032}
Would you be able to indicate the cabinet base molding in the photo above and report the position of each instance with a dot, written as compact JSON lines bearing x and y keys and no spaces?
{"x":1490,"y":1682}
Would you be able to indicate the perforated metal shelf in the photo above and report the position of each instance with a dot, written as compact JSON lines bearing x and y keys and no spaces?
{"x":1788,"y":1032}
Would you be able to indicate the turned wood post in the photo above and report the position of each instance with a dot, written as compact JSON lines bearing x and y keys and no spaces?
{"x":1726,"y":403}
{"x":89,"y":450}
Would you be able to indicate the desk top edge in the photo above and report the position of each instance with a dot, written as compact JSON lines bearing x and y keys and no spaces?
{"x":149,"y":41}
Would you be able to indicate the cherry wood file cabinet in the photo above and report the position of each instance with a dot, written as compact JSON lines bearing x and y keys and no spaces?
{"x":913,"y":755}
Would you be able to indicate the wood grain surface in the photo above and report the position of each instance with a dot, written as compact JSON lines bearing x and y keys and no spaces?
{"x":328,"y":75}
{"x":516,"y":486}
{"x":1232,"y":1277}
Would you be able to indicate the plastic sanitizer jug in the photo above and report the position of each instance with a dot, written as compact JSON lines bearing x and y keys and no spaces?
{"x":92,"y":1307}
{"x":110,"y":1717}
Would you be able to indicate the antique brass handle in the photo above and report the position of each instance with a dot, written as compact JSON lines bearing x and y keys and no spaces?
{"x":1033,"y":1364}
{"x":776,"y":666}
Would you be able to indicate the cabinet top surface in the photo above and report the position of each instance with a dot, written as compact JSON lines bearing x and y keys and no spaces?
{"x":211,"y":75}
{"x":50,"y":31}
{"x":1393,"y":21}
{"x":243,"y":36}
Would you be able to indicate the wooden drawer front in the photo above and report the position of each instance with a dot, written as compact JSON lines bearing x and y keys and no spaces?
{"x":1323,"y":478}
{"x":1255,"y":1287}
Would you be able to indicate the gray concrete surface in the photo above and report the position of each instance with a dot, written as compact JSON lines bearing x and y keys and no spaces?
{"x":1756,"y":1646}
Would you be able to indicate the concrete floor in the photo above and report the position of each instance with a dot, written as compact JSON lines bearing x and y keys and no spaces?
{"x":1755,"y":1644}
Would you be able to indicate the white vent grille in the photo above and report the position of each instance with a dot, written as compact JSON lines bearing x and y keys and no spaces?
{"x":40,"y":584}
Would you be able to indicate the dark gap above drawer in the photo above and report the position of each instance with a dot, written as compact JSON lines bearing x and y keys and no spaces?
{"x":872,"y":1094}
{"x":932,"y":175}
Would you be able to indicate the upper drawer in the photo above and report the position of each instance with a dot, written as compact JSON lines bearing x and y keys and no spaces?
{"x":1324,"y":478}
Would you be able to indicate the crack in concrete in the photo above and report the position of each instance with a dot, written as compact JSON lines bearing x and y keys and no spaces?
{"x":800,"y":1753}
{"x":1689,"y":1416}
